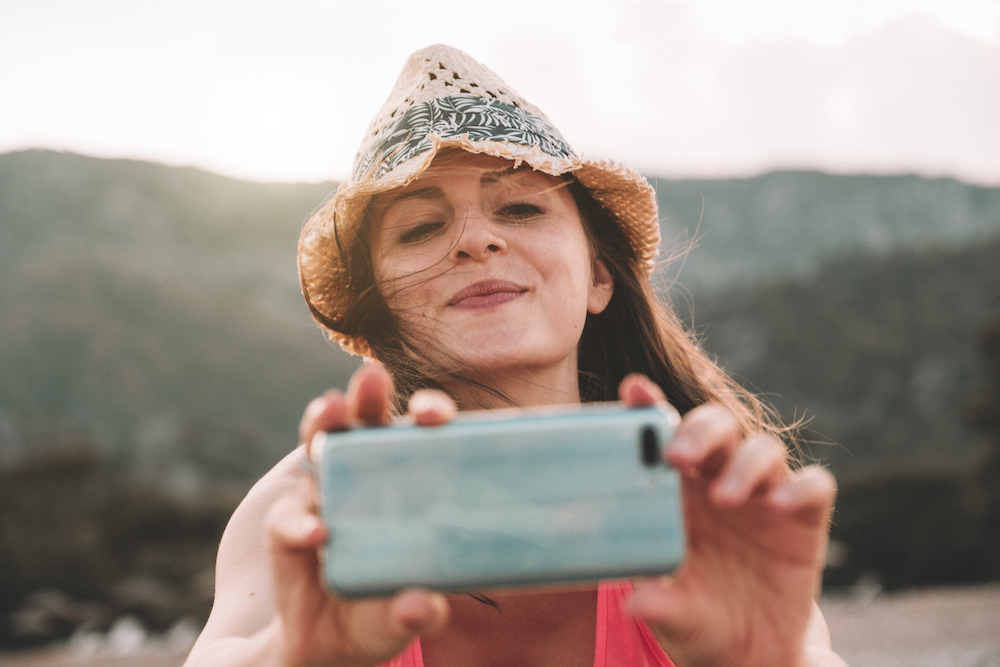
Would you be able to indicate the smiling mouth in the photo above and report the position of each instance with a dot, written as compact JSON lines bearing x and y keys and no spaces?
{"x":487,"y":294}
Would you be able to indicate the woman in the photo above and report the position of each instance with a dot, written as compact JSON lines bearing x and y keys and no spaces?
{"x":482,"y":264}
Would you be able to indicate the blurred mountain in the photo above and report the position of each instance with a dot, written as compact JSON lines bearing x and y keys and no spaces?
{"x":151,"y":324}
{"x":790,"y":223}
{"x":880,"y":352}
{"x":155,"y":309}
{"x":854,"y":301}
{"x":172,"y":224}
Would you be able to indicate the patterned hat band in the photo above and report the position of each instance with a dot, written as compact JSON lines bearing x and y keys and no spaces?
{"x":469,"y":116}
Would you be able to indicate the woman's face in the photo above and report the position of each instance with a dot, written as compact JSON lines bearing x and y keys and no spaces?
{"x":489,"y":263}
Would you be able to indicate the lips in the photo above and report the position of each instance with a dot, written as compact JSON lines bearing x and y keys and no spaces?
{"x":487,"y":294}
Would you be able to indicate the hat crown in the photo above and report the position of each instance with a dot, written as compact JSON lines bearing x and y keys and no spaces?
{"x":444,"y":92}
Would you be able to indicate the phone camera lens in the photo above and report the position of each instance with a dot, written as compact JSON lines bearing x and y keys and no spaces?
{"x":650,"y":446}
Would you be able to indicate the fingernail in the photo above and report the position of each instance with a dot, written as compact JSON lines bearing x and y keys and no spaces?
{"x":310,"y":524}
{"x":420,"y":402}
{"x":782,"y":497}
{"x":682,"y":446}
{"x":729,"y":489}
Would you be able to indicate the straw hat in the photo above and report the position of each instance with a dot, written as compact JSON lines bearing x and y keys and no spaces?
{"x":445,"y":99}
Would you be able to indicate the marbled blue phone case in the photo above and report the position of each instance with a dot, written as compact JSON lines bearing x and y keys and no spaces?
{"x":490,"y":501}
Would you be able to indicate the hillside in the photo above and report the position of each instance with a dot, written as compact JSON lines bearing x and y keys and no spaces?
{"x":880,"y":352}
{"x":789,"y":223}
{"x":894,"y":362}
{"x":155,"y":311}
{"x":155,"y":357}
{"x":175,"y":225}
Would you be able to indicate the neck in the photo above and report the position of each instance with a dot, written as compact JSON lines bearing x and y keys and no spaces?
{"x":531,"y":627}
{"x":520,"y":387}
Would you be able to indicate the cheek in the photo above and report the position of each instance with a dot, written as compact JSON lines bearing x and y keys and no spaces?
{"x":392,"y":282}
{"x":569,"y":281}
{"x":396,"y":287}
{"x":410,"y":292}
{"x":403,"y":271}
{"x":393,"y":272}
{"x":569,"y":265}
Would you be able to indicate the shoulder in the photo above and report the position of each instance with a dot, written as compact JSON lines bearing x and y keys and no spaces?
{"x":247,"y":521}
{"x":244,"y":599}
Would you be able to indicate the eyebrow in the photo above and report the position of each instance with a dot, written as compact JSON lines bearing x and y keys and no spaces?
{"x":429,"y":192}
{"x":434,"y":192}
{"x":494,"y":176}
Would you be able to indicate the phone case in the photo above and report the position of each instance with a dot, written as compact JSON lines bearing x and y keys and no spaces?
{"x":492,"y":500}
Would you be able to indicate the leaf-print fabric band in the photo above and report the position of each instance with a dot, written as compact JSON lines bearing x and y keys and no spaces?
{"x":449,"y":117}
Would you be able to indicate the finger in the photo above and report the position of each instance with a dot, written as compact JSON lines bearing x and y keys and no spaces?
{"x":328,"y":413}
{"x":373,"y":630}
{"x":809,"y":492}
{"x":421,"y":612}
{"x":369,"y":394}
{"x":638,"y":391}
{"x":382,"y":628}
{"x":656,"y":603}
{"x":293,"y":535}
{"x":431,"y":407}
{"x":756,"y":465}
{"x":705,"y":439}
{"x":292,"y":524}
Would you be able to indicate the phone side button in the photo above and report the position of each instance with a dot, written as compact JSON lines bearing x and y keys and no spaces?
{"x":650,"y":445}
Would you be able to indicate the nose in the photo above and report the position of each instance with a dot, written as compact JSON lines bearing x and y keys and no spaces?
{"x":478,"y":238}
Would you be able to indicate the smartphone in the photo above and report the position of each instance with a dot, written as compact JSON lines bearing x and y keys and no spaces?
{"x":501,"y":498}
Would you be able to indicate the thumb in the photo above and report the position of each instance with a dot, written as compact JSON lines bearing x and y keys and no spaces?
{"x":294,"y":534}
{"x":662,"y":607}
{"x":386,"y":627}
{"x":317,"y":623}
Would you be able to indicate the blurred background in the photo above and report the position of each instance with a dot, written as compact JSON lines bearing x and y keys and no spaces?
{"x":835,"y":166}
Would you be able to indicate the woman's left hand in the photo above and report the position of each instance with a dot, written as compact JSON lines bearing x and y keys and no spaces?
{"x":756,"y":543}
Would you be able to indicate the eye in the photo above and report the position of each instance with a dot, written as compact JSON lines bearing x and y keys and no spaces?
{"x":520,"y":211}
{"x":419,"y":232}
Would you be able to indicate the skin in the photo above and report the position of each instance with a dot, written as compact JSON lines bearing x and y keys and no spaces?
{"x":756,"y":530}
{"x":493,"y":264}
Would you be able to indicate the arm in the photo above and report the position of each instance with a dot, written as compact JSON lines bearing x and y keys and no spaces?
{"x":241,"y":628}
{"x":756,"y":534}
{"x":271,"y":607}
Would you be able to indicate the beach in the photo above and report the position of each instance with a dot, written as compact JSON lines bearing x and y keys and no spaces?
{"x":936,"y":627}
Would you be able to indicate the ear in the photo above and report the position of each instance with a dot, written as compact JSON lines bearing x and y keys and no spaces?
{"x":601,"y":290}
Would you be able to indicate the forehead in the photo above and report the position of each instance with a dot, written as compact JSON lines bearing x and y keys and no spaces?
{"x":452,"y":158}
{"x":455,"y":166}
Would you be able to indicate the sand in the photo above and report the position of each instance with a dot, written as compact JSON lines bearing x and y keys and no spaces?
{"x":942,"y":627}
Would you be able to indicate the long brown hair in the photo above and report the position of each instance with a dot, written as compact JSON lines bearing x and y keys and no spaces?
{"x":638,"y":333}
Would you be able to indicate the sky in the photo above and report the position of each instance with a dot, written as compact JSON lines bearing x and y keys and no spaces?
{"x":282,"y":90}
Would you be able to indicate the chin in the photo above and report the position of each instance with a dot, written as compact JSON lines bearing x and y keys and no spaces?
{"x":500,"y":358}
{"x":505,"y":346}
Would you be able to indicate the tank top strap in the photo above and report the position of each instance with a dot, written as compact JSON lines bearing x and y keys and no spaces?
{"x":411,"y":657}
{"x":622,"y":639}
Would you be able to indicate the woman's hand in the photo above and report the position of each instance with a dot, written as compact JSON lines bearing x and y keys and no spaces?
{"x":757,"y":533}
{"x":314,"y":626}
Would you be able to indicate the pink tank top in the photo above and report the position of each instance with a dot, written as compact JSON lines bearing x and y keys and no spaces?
{"x":622,"y":639}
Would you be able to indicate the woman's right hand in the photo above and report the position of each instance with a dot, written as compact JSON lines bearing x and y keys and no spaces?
{"x":314,"y":626}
